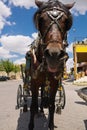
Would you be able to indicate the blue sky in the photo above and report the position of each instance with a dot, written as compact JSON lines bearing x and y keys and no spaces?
{"x":17,"y":29}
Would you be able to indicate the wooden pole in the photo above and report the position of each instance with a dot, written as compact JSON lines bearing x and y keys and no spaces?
{"x":75,"y":62}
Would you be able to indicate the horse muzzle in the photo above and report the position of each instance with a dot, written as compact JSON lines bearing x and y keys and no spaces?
{"x":55,"y":60}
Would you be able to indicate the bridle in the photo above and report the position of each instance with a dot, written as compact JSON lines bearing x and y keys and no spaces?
{"x":55,"y":14}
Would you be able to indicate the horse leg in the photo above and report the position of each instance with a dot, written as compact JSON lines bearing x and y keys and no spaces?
{"x":41,"y":105}
{"x":33,"y":108}
{"x":51,"y":113}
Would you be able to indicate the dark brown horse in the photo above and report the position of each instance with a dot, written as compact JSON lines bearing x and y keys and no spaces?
{"x":53,"y":19}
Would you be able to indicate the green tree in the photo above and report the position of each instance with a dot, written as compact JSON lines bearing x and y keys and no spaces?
{"x":16,"y":69}
{"x":1,"y":66}
{"x":8,"y":66}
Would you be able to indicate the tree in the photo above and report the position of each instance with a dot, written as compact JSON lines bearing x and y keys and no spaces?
{"x":1,"y":66}
{"x":16,"y":69}
{"x":8,"y":66}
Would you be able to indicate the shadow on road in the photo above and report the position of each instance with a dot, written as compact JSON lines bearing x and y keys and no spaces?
{"x":81,"y":102}
{"x":85,"y":122}
{"x":69,"y":80}
{"x":41,"y":122}
{"x":23,"y":120}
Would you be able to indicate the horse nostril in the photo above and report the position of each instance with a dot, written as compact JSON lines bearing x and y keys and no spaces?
{"x":62,"y":53}
{"x":46,"y":53}
{"x":63,"y":56}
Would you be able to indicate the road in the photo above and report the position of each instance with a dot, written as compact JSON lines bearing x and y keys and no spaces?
{"x":73,"y":117}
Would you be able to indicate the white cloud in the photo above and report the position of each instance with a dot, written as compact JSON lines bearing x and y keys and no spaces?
{"x":18,"y":44}
{"x":23,"y":3}
{"x":5,"y":12}
{"x":5,"y":54}
{"x":69,"y":64}
{"x":20,"y":61}
{"x":85,"y":40}
{"x":15,"y":44}
{"x":80,"y":7}
{"x":34,"y":35}
{"x":69,"y":49}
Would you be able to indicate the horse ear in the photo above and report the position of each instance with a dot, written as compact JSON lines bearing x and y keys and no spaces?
{"x":69,"y":6}
{"x":38,"y":3}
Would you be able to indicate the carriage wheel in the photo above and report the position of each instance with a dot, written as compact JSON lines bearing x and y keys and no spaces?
{"x":19,"y":96}
{"x":61,"y":100}
{"x":62,"y":97}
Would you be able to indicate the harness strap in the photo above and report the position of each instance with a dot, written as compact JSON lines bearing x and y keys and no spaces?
{"x":55,"y":19}
{"x":47,"y":29}
{"x":34,"y":55}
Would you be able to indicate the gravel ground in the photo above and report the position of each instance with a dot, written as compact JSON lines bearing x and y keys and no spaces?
{"x":73,"y":117}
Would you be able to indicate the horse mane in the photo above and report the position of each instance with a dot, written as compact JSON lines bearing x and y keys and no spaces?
{"x":49,"y":5}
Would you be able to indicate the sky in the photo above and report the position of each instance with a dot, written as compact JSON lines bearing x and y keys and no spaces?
{"x":17,"y":29}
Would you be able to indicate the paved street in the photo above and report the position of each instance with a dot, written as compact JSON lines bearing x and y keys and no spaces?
{"x":73,"y":117}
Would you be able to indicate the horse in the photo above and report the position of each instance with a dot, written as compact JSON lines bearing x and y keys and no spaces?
{"x":52,"y":19}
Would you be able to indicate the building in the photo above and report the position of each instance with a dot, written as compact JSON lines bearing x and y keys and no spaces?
{"x":80,"y":59}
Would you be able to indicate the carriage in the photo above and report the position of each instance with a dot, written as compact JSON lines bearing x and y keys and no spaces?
{"x":46,"y":60}
{"x":24,"y":96}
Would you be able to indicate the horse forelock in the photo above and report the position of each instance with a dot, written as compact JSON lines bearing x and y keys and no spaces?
{"x":49,"y":5}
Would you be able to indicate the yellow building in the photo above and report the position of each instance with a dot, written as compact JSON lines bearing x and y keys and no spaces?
{"x":80,"y":59}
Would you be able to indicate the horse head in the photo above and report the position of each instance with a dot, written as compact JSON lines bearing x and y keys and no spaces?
{"x":53,"y":19}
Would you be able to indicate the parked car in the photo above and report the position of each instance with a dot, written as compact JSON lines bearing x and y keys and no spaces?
{"x":4,"y":78}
